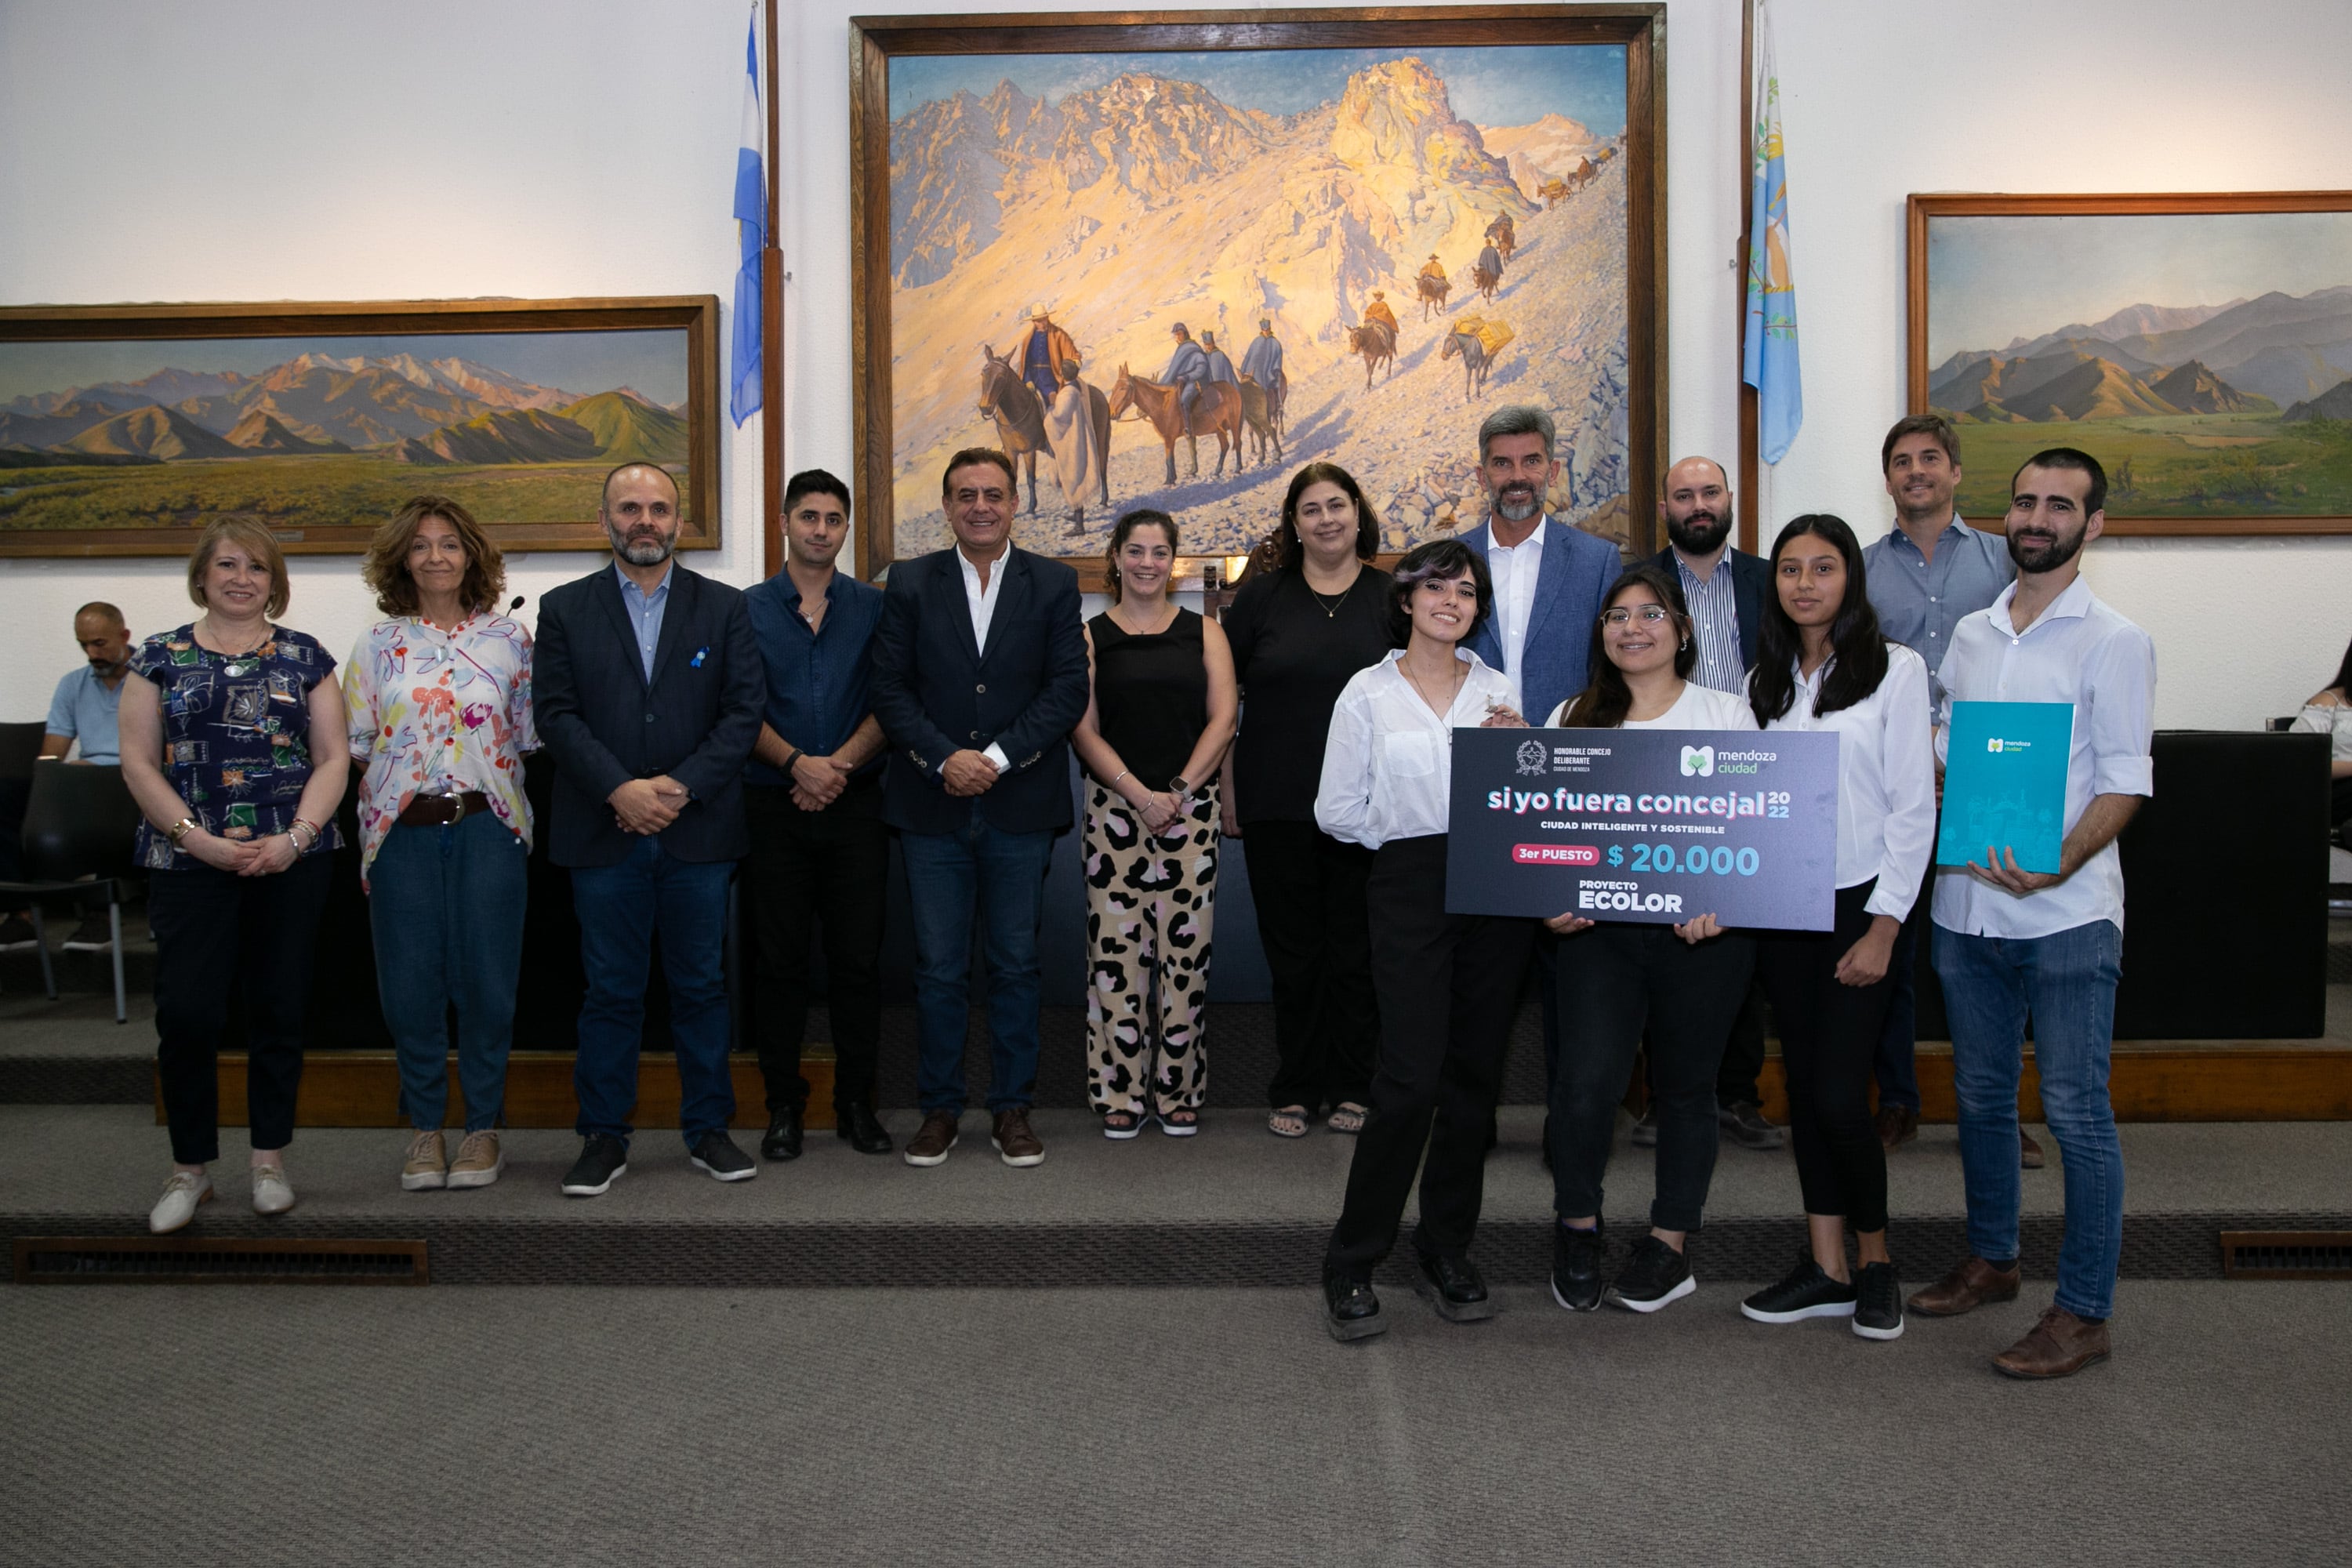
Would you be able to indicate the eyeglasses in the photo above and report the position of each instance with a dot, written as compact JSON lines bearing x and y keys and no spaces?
{"x":1648,"y":615}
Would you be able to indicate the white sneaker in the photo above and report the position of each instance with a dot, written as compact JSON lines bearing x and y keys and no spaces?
{"x":271,"y":1191}
{"x":177,"y":1206}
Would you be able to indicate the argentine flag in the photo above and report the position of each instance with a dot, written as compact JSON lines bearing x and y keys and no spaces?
{"x":1769,"y":337}
{"x":752,"y":221}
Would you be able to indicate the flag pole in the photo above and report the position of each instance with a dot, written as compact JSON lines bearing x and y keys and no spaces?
{"x":1748,"y":468}
{"x":771,"y":331}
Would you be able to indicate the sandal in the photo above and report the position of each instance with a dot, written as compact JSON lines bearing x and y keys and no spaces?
{"x":1180,"y":1122}
{"x":1118,"y":1126}
{"x":1288,"y":1122}
{"x":1347,"y":1116}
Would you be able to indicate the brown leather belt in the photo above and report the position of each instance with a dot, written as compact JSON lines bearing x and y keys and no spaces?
{"x":441,"y":810}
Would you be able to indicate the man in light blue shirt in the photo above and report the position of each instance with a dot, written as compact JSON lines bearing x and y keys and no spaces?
{"x":83,"y":709}
{"x":1928,"y":574}
{"x":645,"y":613}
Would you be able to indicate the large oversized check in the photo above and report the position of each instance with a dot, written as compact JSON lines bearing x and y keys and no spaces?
{"x":1654,"y":826}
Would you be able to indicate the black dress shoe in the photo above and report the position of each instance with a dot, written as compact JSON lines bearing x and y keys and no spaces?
{"x":857,"y":1126}
{"x":783,"y":1139}
{"x":1576,"y":1260}
{"x":1351,"y":1310}
{"x":1452,"y":1286}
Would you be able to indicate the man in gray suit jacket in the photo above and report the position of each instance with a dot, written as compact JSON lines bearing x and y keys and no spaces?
{"x":649,"y":690}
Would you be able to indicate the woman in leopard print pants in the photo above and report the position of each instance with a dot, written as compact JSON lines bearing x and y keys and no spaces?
{"x":1161,"y":718}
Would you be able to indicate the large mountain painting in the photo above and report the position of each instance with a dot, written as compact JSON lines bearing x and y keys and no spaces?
{"x":2206,"y":360}
{"x":320,"y":438}
{"x":1083,"y":208}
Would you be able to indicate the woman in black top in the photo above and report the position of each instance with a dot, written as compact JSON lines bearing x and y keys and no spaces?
{"x":1311,"y":614}
{"x":1154,"y":733}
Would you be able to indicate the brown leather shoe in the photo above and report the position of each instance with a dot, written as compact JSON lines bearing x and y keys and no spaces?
{"x":930,"y":1145}
{"x":2029,"y":1153}
{"x":1896,"y":1124}
{"x":1965,"y":1289}
{"x":2060,"y":1345}
{"x":1015,"y":1144}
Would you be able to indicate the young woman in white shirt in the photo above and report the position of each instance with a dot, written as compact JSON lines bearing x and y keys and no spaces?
{"x":1446,"y":984}
{"x":1684,"y":984}
{"x":1821,"y":663}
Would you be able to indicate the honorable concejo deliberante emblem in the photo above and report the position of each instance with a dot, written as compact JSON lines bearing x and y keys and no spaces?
{"x":1531,"y":757}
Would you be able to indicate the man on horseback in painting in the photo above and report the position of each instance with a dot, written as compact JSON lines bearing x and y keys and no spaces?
{"x":1503,"y":231}
{"x":1490,"y":261}
{"x":1221,"y":368}
{"x":1434,"y":268}
{"x":1042,"y":347}
{"x":1262,"y":363}
{"x":1379,"y":310}
{"x":1188,"y":369}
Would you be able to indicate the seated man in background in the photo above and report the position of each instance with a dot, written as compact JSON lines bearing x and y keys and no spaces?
{"x":83,"y":710}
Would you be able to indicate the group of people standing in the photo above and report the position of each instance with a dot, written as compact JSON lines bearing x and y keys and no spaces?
{"x":795,"y":727}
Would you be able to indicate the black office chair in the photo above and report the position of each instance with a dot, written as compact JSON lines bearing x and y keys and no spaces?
{"x":80,"y":826}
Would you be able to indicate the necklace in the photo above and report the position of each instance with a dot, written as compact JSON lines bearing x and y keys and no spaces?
{"x":1331,"y":607}
{"x":1461,"y":672}
{"x":1134,"y":629}
{"x":238,"y":661}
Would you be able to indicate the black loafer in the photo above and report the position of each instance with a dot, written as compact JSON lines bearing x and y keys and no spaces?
{"x":783,"y":1139}
{"x":1351,"y":1310}
{"x":857,"y":1126}
{"x":1452,"y":1286}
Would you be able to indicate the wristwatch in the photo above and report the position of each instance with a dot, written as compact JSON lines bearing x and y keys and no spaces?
{"x":180,"y":830}
{"x":1177,"y":787}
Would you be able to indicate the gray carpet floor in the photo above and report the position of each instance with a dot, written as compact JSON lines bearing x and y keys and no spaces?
{"x":252,"y":1426}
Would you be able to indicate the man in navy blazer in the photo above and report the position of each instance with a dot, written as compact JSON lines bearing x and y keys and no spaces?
{"x":1550,"y":579}
{"x":649,"y":691}
{"x":980,"y":672}
{"x":1724,"y":588}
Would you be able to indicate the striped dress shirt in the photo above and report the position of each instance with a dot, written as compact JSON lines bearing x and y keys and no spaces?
{"x":1715,"y":614}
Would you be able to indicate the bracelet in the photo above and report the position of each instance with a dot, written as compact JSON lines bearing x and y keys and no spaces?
{"x":180,"y":830}
{"x":302,"y":845}
{"x":796,"y":755}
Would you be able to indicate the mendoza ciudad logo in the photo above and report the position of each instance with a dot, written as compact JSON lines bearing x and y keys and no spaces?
{"x":1997,"y":745}
{"x":1698,"y":762}
{"x":1704,"y":763}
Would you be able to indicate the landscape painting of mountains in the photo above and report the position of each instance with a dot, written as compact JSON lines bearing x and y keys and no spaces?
{"x":2205,"y":359}
{"x":1309,"y":190}
{"x":128,"y":446}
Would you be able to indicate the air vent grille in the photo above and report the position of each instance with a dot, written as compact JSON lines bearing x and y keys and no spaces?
{"x":2286,"y":1254}
{"x":205,"y":1260}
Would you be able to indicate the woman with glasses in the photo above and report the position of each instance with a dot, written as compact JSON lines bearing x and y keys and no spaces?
{"x":233,"y":746}
{"x":1683,"y":982}
{"x":1821,"y":664}
{"x":1448,"y":984}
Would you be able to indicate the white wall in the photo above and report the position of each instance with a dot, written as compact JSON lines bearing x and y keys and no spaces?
{"x":386,"y":149}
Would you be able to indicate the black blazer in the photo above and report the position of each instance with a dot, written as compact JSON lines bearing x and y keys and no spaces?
{"x":1751,"y":579}
{"x":936,"y":694}
{"x":607,"y":724}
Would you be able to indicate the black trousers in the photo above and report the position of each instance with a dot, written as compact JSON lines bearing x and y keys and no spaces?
{"x":1448,"y":984}
{"x":1828,"y":1038}
{"x":814,"y":869}
{"x":1736,"y":1078}
{"x":1315,"y":927}
{"x":1614,"y":978}
{"x":217,"y":932}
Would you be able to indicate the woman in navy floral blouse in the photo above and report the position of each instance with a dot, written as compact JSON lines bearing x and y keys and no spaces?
{"x":233,"y":746}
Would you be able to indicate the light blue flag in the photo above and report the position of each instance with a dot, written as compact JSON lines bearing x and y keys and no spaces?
{"x":751,"y":227}
{"x":1769,"y":337}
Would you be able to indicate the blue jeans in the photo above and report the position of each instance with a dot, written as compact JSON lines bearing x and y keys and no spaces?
{"x":2066,"y":982}
{"x":620,"y":907}
{"x":1003,"y":875}
{"x":445,"y":905}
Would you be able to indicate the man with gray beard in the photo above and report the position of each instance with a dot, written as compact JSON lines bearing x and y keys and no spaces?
{"x":650,"y":692}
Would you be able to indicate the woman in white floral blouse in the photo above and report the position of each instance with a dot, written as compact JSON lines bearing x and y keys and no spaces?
{"x":439,"y":701}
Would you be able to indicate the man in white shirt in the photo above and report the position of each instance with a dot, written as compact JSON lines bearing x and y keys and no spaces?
{"x":2009,"y":944}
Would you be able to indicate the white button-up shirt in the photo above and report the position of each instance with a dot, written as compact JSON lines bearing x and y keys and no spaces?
{"x":980,"y":601}
{"x":1388,"y":763}
{"x":1513,"y":568}
{"x":1886,"y":778}
{"x":2078,"y":651}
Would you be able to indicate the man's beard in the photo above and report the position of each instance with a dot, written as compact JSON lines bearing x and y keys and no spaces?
{"x":1516,"y":503}
{"x":2039,"y":556}
{"x":641,"y":552}
{"x":1694,"y":537}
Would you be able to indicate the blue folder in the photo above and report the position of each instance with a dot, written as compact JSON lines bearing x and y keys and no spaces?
{"x":2005,"y":782}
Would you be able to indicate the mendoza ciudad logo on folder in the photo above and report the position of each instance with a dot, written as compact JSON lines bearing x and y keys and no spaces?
{"x":2005,"y":782}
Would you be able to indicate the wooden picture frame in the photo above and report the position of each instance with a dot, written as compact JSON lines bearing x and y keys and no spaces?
{"x":1632,"y":440}
{"x":339,"y":440}
{"x":2190,"y":450}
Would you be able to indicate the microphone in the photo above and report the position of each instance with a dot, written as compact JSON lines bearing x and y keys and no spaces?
{"x":516,"y":605}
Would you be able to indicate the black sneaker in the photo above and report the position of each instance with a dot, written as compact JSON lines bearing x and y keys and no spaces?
{"x":1576,"y":1258}
{"x":16,"y":933}
{"x":1878,"y":1309}
{"x":1656,"y":1275}
{"x":1645,"y":1127}
{"x":715,"y":1155}
{"x":604,"y":1159}
{"x":1806,"y":1292}
{"x":1351,"y":1310}
{"x":1743,"y":1122}
{"x":95,"y":934}
{"x":784,"y":1133}
{"x":1452,"y":1286}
